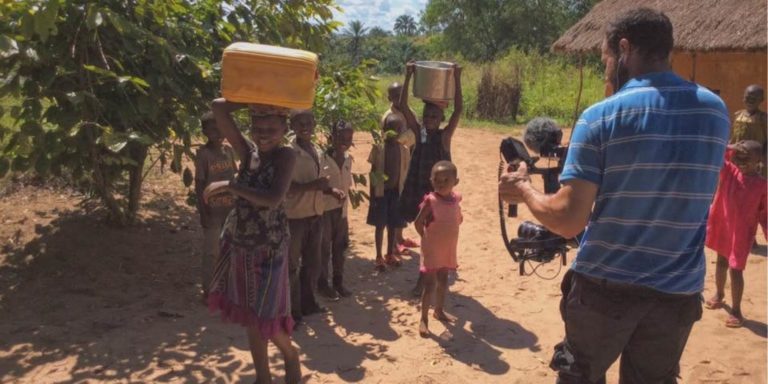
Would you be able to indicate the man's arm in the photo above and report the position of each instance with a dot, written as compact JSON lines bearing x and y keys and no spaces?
{"x":565,"y":212}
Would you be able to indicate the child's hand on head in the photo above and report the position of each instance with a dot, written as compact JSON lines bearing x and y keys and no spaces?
{"x":456,"y":71}
{"x":410,"y":67}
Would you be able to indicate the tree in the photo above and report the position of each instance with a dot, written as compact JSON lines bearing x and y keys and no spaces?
{"x":377,"y":32}
{"x":481,"y":30}
{"x":356,"y":33}
{"x":100,"y":84}
{"x":405,"y":25}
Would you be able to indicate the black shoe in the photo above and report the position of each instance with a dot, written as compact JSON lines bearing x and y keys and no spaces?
{"x":343,"y":292}
{"x":328,"y":292}
{"x":314,"y":310}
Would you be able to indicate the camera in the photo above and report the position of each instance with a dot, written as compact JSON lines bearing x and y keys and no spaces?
{"x":534,"y":242}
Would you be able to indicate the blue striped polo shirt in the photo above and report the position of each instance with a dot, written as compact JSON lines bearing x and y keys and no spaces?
{"x":655,"y":150}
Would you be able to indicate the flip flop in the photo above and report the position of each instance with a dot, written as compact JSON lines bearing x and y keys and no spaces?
{"x":714,"y":304}
{"x":734,"y":322}
{"x":408,"y":243}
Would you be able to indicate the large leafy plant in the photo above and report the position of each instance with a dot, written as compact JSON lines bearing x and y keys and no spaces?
{"x":94,"y":87}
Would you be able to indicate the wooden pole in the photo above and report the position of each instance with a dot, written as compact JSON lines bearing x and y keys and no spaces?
{"x":578,"y":97}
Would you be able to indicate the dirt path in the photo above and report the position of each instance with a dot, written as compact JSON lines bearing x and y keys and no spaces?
{"x":83,"y":302}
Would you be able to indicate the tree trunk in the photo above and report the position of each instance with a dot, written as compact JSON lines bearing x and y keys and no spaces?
{"x":138,"y":153}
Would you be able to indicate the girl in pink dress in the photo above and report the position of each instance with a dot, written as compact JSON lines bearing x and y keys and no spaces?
{"x":438,"y":224}
{"x":739,"y":204}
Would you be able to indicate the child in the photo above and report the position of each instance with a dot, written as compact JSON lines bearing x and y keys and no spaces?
{"x":335,"y":224}
{"x":407,"y":138}
{"x":213,"y":162}
{"x":750,"y":123}
{"x":738,"y":206}
{"x":304,"y":207}
{"x":434,"y":146}
{"x":438,"y":224}
{"x":387,"y":163}
{"x":250,"y":282}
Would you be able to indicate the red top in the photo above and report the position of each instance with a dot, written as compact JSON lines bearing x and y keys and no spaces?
{"x":739,"y":205}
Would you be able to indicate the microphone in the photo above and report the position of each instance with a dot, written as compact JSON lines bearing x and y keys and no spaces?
{"x":543,"y":136}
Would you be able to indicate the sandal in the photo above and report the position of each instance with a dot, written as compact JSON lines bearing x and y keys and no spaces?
{"x":734,"y":322}
{"x":714,"y":304}
{"x":379,"y":265}
{"x":392,"y":260}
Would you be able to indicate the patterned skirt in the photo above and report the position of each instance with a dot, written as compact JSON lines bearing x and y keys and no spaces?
{"x":250,"y":287}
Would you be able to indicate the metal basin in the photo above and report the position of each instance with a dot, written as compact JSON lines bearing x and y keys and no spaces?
{"x":433,"y":80}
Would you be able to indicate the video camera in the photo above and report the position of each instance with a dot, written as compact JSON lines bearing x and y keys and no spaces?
{"x":534,"y":241}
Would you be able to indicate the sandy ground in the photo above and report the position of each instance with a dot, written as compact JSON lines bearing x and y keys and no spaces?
{"x":81,"y":301}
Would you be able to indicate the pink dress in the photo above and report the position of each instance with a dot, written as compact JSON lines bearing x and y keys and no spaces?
{"x":441,"y":234}
{"x":739,"y":205}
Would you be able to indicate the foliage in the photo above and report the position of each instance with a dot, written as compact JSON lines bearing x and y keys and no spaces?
{"x":483,"y":30}
{"x":99,"y":84}
{"x":350,"y":94}
{"x":405,"y":25}
{"x":355,"y":34}
{"x":549,"y":87}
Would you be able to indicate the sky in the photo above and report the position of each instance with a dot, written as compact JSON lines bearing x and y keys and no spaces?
{"x":378,"y":13}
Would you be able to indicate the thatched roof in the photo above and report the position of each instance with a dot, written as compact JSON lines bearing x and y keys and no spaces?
{"x":699,"y":25}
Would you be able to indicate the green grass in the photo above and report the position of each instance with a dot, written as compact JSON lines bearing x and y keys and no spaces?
{"x":549,"y":83}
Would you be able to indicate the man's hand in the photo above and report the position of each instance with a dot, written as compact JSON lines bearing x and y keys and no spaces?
{"x":513,"y":185}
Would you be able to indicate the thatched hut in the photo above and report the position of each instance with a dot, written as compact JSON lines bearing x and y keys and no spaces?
{"x":720,"y":44}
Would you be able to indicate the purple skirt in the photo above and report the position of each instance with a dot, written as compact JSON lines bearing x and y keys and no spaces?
{"x":250,"y":287}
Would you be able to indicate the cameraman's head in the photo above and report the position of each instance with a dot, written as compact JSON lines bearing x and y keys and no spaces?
{"x":637,"y":42}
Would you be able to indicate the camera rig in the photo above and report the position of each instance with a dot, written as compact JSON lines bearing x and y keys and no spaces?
{"x":534,"y":243}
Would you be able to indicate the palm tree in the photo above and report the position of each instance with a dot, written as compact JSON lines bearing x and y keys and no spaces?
{"x":405,"y":25}
{"x":355,"y":32}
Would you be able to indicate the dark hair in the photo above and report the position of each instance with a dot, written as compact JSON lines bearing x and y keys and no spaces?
{"x":341,"y":126}
{"x":447,"y":166}
{"x":207,"y":120}
{"x":650,"y":31}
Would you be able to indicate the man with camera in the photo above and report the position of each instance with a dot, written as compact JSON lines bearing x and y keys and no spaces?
{"x":640,"y":173}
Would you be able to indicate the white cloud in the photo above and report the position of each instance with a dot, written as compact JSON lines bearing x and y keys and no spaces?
{"x":378,"y":13}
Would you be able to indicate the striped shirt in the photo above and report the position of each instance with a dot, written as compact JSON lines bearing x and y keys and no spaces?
{"x":655,"y":150}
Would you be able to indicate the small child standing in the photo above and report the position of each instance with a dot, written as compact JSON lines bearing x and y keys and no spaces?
{"x":213,"y":162}
{"x":388,"y":168}
{"x":432,"y":147}
{"x":335,"y":222}
{"x":750,"y":123}
{"x":438,"y":224}
{"x":407,"y":138}
{"x":738,"y":206}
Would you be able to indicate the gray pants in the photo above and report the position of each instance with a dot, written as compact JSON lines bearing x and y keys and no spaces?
{"x":210,"y":254}
{"x":603,"y":320}
{"x":334,"y":244}
{"x":304,"y":263}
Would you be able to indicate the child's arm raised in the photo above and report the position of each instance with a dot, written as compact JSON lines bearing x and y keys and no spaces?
{"x":222,"y":111}
{"x":271,"y":197}
{"x":410,"y":118}
{"x":458,"y":107}
{"x":422,"y":218}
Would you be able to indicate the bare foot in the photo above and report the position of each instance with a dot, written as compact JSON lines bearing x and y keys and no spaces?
{"x":442,"y":316}
{"x":423,"y":329}
{"x":292,"y":371}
